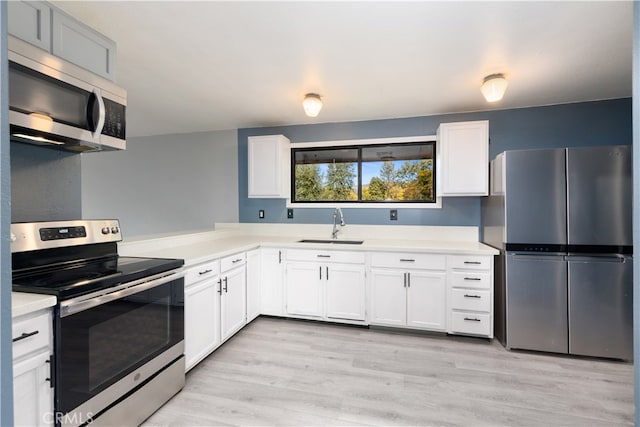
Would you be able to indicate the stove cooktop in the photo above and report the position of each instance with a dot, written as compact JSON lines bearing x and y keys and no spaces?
{"x":79,"y":278}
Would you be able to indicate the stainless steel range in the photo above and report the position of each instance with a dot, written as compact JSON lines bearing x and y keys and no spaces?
{"x":118,"y":323}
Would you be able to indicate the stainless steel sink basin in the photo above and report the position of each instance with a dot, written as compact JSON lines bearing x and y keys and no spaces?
{"x":337,"y":242}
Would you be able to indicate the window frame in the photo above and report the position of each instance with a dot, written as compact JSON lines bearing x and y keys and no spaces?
{"x":357,"y":143}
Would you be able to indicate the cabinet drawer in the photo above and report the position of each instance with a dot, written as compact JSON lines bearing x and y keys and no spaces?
{"x":469,"y":262}
{"x":233,"y":261}
{"x":326,"y":256}
{"x":31,"y":333}
{"x":202,"y":271}
{"x":409,"y":260}
{"x":464,"y":299}
{"x":471,"y":279}
{"x":471,"y":323}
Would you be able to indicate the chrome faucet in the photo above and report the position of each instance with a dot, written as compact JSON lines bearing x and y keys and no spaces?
{"x":336,"y":212}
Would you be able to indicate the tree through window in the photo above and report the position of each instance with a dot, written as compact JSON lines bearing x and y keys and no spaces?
{"x":365,"y":173}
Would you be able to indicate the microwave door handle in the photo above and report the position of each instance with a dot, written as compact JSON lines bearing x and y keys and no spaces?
{"x":96,"y":97}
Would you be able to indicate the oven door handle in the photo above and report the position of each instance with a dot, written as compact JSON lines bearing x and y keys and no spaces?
{"x":77,"y":305}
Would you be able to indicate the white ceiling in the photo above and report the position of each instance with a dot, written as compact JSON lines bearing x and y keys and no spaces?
{"x":200,"y":66}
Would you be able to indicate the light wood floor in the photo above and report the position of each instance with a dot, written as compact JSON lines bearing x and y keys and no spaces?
{"x":296,"y":373}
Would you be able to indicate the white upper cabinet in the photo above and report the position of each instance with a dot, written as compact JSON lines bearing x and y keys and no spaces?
{"x":269,"y":163}
{"x":79,"y":44}
{"x":50,"y":29}
{"x":31,"y":22}
{"x":464,"y":158}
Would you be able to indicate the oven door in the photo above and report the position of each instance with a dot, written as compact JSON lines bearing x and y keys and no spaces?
{"x":108,"y":345}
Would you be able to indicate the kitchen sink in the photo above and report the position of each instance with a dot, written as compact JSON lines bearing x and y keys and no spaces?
{"x":338,"y":242}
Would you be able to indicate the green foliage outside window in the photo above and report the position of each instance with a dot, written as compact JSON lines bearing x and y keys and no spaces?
{"x":365,"y":174}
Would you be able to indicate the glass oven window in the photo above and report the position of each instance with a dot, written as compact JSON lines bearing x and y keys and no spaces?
{"x":101,"y":345}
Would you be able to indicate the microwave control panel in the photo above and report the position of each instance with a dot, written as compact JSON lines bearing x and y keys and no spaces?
{"x":114,"y":119}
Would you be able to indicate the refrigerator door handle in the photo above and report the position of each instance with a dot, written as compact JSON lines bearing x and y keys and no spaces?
{"x":615,"y":258}
{"x":539,"y":257}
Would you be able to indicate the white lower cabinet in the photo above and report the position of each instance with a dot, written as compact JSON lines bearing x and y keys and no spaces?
{"x":326,"y":285}
{"x":201,"y":312}
{"x":254,"y":279}
{"x":436,"y":292}
{"x":304,"y":289}
{"x":426,"y":300}
{"x":214,"y":305}
{"x":272,"y":282}
{"x":345,"y":292}
{"x":32,"y":387}
{"x":233,"y":300}
{"x":470,"y":290}
{"x":412,"y":297}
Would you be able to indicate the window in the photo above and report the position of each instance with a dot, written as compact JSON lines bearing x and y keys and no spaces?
{"x":380,"y":173}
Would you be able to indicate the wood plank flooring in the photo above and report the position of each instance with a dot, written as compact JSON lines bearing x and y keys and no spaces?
{"x":283,"y":372}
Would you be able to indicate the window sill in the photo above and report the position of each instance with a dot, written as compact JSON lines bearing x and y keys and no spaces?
{"x":364,"y":205}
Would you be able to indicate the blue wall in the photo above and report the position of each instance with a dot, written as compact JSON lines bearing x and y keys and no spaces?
{"x":580,"y":124}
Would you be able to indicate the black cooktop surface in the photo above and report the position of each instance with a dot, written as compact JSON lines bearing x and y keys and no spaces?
{"x":73,"y":279}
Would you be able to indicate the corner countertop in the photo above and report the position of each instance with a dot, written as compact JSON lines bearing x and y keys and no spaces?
{"x":203,"y":251}
{"x":24,"y":303}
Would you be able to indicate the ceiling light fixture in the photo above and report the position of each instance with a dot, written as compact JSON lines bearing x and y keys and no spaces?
{"x":312,"y":104}
{"x":493,"y":87}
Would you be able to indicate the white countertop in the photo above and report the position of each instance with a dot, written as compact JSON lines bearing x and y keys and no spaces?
{"x":202,"y":251}
{"x":201,"y":247}
{"x":24,"y":303}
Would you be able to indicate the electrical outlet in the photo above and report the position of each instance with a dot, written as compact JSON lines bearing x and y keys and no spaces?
{"x":261,"y":214}
{"x":393,"y":214}
{"x":290,"y":213}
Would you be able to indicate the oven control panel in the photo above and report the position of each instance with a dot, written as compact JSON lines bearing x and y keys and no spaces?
{"x":29,"y":236}
{"x":56,"y":233}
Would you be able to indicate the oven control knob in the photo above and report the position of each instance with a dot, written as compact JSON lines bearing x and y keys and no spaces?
{"x":105,"y":230}
{"x":115,"y":230}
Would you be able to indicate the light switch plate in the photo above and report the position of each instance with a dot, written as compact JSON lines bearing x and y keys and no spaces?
{"x":290,"y":213}
{"x":261,"y":214}
{"x":393,"y":214}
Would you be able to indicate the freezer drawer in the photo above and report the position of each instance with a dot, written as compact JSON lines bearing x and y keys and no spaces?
{"x":536,"y":294}
{"x":601,"y":306}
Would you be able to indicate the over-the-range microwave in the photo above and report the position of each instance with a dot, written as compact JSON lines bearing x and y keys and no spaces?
{"x":56,"y":104}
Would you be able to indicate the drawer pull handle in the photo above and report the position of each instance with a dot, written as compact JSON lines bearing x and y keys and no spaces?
{"x":52,"y":370}
{"x":205,"y":272}
{"x":324,"y":256}
{"x":236,"y":260}
{"x":407,"y":260}
{"x":220,"y":286}
{"x":473,"y":262}
{"x":475,"y":279}
{"x":25,"y":335}
{"x":471,"y":319}
{"x":472,"y":296}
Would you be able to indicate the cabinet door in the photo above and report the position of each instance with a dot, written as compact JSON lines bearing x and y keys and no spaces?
{"x":269,"y":166}
{"x":201,"y":320}
{"x":426,"y":300}
{"x":233,"y":302}
{"x":272,"y":282}
{"x":464,"y":165}
{"x":345,"y":291}
{"x":83,"y":46}
{"x":388,"y":297}
{"x":254,"y":261}
{"x":304,"y":288}
{"x":31,"y":22}
{"x":32,"y":393}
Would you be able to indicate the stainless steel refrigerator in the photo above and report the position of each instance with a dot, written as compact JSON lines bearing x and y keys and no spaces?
{"x":562,"y":220}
